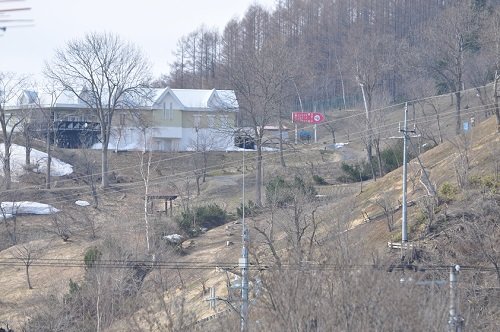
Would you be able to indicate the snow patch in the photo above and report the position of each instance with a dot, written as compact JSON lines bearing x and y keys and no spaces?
{"x":340,"y":145}
{"x":38,"y":160}
{"x":4,"y":216}
{"x":82,"y":203}
{"x":174,"y":238}
{"x":26,"y":207}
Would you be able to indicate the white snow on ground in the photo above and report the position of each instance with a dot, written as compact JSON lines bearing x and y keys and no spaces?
{"x":174,"y":238}
{"x":82,"y":203}
{"x":27,"y":207}
{"x":235,"y":148}
{"x":4,"y":216}
{"x":264,"y":148}
{"x":122,"y":147}
{"x":268,"y":149}
{"x":38,"y":162}
{"x":340,"y":145}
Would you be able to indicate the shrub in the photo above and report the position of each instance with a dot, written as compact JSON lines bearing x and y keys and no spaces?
{"x":92,"y":255}
{"x":392,"y":158}
{"x":319,"y":180}
{"x":353,"y":173}
{"x":280,"y":192}
{"x":447,"y":192}
{"x":73,"y":287}
{"x":208,"y":216}
{"x":485,"y":183}
{"x":251,"y":209}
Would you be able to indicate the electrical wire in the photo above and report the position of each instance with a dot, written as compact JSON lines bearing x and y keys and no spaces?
{"x":190,"y":265}
{"x":268,"y":156}
{"x":361,"y":113}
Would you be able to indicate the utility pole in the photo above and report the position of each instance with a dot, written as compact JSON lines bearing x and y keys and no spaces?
{"x":455,"y":321}
{"x":243,"y":262}
{"x":404,"y":218}
{"x":404,"y":230}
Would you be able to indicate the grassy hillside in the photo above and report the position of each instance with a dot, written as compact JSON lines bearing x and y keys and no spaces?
{"x":326,"y":237}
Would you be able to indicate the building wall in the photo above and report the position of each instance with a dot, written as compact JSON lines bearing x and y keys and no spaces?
{"x":208,"y":119}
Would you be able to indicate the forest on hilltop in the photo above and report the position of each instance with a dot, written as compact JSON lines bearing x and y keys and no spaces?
{"x":326,"y":49}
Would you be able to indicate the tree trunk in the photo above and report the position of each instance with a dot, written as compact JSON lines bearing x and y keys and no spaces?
{"x":496,"y":97}
{"x":27,"y":155}
{"x":458,"y":128}
{"x":439,"y":129}
{"x":369,"y":141}
{"x":6,"y":166}
{"x":104,"y":164}
{"x":49,"y":157}
{"x":282,"y":158}
{"x":342,"y":83}
{"x":370,"y":161}
{"x":258,"y":176}
{"x":28,"y":276}
{"x":198,"y":185}
{"x":379,"y":157}
{"x":205,"y":166}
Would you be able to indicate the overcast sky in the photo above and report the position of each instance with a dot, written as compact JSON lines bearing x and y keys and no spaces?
{"x":153,"y":25}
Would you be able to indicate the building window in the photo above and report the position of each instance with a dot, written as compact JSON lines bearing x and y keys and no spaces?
{"x":168,"y":114}
{"x":211,"y":121}
{"x":196,"y":120}
{"x":224,"y":121}
{"x":122,"y":119}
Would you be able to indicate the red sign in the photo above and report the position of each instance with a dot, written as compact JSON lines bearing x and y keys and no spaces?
{"x":307,"y":117}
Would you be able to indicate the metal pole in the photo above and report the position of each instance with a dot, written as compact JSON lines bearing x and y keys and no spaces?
{"x":455,"y":322}
{"x":244,"y":261}
{"x":315,"y":134}
{"x":296,"y":134}
{"x":404,"y":232}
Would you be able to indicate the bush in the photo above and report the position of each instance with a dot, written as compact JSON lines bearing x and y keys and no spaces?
{"x":485,"y":183}
{"x":73,"y":287}
{"x":355,"y":172}
{"x":92,"y":255}
{"x":208,"y":216}
{"x":280,"y":192}
{"x":392,"y":158}
{"x":447,"y":192}
{"x":251,"y":209}
{"x":320,"y":181}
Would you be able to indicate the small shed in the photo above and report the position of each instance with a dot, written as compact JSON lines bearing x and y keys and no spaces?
{"x":166,"y":196}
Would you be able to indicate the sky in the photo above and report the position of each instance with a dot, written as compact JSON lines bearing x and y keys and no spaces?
{"x":153,"y":25}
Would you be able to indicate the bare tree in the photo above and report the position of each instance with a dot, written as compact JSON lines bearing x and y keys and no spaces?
{"x":8,"y":216}
{"x":388,"y":208}
{"x":90,"y":177}
{"x":10,"y":87}
{"x":27,"y":130}
{"x":490,"y":54}
{"x":45,"y":107}
{"x":370,"y":60}
{"x":446,"y":49}
{"x":203,"y":144}
{"x":259,"y":79}
{"x":27,"y":253}
{"x":104,"y":73}
{"x":146,"y":176}
{"x":462,"y":145}
{"x":61,"y":225}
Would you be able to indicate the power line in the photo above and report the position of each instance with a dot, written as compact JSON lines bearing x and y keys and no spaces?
{"x":269,"y":156}
{"x":357,"y":135}
{"x":306,"y":266}
{"x":361,"y":113}
{"x":163,"y":179}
